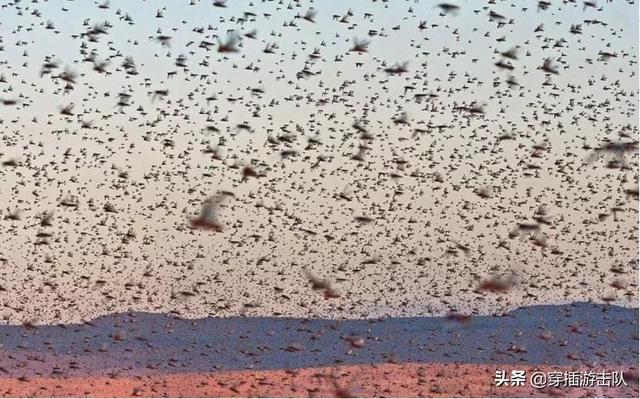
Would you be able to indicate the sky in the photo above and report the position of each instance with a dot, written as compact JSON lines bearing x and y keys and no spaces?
{"x":430,"y":239}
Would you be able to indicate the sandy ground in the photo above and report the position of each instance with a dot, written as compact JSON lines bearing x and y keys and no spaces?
{"x":386,"y":380}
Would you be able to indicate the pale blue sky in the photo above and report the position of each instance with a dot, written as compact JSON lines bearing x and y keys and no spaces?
{"x":591,"y":100}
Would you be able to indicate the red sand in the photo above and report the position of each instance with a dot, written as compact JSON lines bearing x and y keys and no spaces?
{"x":373,"y":380}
